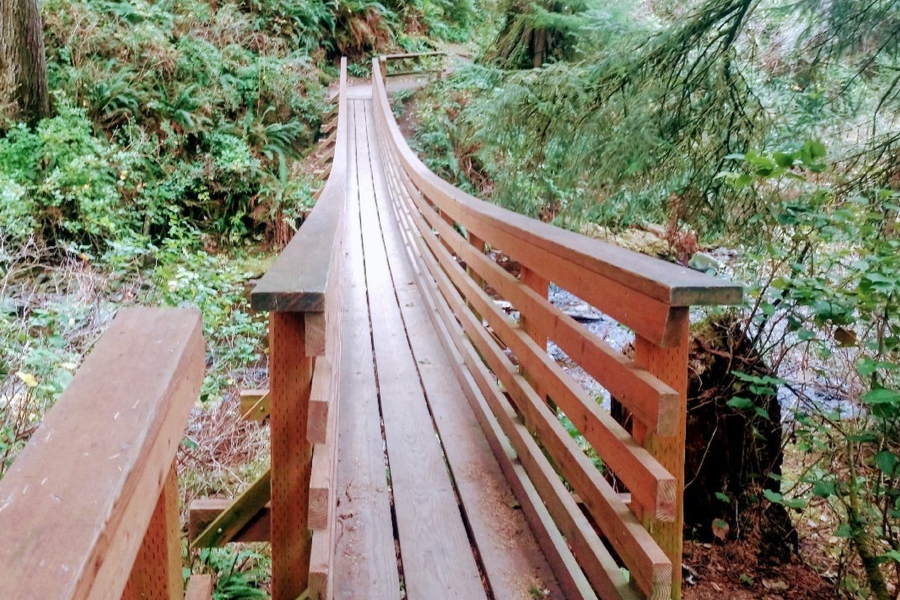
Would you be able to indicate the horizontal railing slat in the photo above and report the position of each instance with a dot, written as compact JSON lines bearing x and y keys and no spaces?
{"x":633,"y":464}
{"x":75,"y":505}
{"x":658,"y":280}
{"x":650,"y":568}
{"x":651,"y":401}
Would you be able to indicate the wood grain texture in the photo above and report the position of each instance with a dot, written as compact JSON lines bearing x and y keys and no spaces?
{"x":102,"y":454}
{"x":670,"y":365}
{"x":320,"y":402}
{"x":290,"y":382}
{"x":365,"y":565}
{"x":434,"y":546}
{"x":203,"y":511}
{"x":315,"y":321}
{"x":512,"y":560}
{"x":156,"y":573}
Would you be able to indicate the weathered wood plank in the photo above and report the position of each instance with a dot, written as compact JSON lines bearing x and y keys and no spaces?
{"x":365,"y":563}
{"x":512,"y":560}
{"x":103,"y":453}
{"x":437,"y":558}
{"x":235,"y":518}
{"x":203,"y":511}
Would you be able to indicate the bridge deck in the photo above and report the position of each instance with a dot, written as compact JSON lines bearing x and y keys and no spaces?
{"x":423,"y":506}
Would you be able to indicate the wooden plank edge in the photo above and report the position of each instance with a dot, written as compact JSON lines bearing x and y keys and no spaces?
{"x":203,"y":511}
{"x":200,"y":587}
{"x":244,"y":508}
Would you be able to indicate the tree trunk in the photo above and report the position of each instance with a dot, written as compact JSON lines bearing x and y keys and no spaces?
{"x":23,"y":65}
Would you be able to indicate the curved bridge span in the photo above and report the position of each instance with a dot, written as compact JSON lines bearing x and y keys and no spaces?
{"x":425,"y":443}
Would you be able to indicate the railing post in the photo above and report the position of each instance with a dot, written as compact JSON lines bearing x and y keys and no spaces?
{"x":670,"y":365}
{"x":541,"y":285}
{"x":290,"y":383}
{"x":156,"y":574}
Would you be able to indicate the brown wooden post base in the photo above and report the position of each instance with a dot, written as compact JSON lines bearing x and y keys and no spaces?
{"x":290,"y":383}
{"x":156,"y":574}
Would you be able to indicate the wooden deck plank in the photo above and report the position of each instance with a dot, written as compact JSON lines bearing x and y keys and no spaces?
{"x":365,"y":564}
{"x":511,"y":557}
{"x":434,"y":547}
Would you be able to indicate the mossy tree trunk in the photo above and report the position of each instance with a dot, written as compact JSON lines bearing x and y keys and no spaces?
{"x":23,"y":64}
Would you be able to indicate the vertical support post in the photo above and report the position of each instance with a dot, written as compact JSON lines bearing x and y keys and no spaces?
{"x":449,"y":221}
{"x":290,"y":384}
{"x":156,"y":574}
{"x":479,"y":245}
{"x":541,"y":285}
{"x":670,"y":365}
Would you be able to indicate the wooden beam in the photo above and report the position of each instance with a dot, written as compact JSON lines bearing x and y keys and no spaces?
{"x":671,"y":366}
{"x":299,"y":277}
{"x":244,"y":509}
{"x":200,"y":587}
{"x":255,"y":405}
{"x":204,"y":511}
{"x":290,"y":382}
{"x":102,"y":455}
{"x":156,"y":572}
{"x":315,"y":333}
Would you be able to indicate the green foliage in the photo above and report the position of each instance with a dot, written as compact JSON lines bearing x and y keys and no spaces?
{"x":832,"y":288}
{"x":238,"y":573}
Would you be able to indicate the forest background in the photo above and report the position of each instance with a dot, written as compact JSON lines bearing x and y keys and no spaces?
{"x":756,"y":139}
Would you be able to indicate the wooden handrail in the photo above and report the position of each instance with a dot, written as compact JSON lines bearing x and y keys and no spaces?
{"x":298,"y":279}
{"x":639,"y":291}
{"x":449,"y":232}
{"x":302,"y":294}
{"x":90,"y":506}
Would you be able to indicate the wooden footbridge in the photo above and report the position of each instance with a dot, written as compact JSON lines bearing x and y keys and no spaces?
{"x":417,"y":433}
